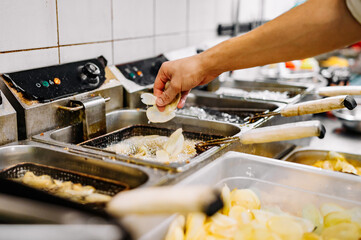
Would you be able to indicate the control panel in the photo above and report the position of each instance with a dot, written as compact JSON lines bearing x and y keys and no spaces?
{"x":58,"y":81}
{"x":142,"y":72}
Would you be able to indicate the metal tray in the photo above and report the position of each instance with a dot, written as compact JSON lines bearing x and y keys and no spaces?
{"x":55,"y":158}
{"x":287,"y":184}
{"x":72,"y":135}
{"x":295,"y":92}
{"x":309,"y":156}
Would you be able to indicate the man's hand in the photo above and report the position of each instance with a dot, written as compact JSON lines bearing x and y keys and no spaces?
{"x":183,"y":74}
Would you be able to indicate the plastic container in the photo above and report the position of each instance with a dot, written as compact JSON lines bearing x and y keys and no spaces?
{"x":287,"y":185}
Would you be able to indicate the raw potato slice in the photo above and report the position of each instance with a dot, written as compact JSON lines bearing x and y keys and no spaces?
{"x":335,"y":218}
{"x":285,"y":227}
{"x":344,"y":231}
{"x":311,"y":236}
{"x":240,"y":214}
{"x":195,"y":226}
{"x":153,"y":114}
{"x":176,"y":229}
{"x":262,"y":216}
{"x":245,"y":198}
{"x":221,"y":226}
{"x":330,"y":207}
{"x":226,"y":198}
{"x":312,"y":213}
{"x":148,"y":98}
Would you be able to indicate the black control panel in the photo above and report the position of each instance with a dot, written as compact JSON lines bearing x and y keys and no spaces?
{"x":58,"y":81}
{"x":142,"y":72}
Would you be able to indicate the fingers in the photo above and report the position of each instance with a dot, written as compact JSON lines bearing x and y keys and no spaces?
{"x":160,"y":81}
{"x":168,"y":95}
{"x":182,"y":101}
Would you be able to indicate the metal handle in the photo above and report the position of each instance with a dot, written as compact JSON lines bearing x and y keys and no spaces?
{"x":339,"y":90}
{"x":284,"y":132}
{"x":167,"y":199}
{"x":318,"y":106}
{"x":77,"y":108}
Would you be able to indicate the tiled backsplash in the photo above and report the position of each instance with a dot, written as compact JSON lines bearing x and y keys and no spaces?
{"x":36,"y":33}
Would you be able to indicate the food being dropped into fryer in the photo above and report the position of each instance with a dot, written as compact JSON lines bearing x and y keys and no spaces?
{"x":243,"y":217}
{"x":156,"y":116}
{"x":174,"y":148}
{"x":66,"y":189}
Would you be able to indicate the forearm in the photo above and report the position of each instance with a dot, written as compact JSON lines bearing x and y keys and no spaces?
{"x":315,"y":27}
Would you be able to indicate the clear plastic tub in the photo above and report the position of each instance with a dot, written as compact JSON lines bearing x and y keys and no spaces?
{"x":287,"y":185}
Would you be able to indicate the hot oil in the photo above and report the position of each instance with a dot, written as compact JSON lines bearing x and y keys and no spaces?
{"x":146,"y":147}
{"x":205,"y":113}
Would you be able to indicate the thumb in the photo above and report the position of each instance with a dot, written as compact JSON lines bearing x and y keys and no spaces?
{"x":167,"y":96}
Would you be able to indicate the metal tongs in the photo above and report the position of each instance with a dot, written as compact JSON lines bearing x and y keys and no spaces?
{"x":311,"y":107}
{"x":289,"y":131}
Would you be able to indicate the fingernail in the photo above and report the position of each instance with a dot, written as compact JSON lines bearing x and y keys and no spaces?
{"x":160,"y":102}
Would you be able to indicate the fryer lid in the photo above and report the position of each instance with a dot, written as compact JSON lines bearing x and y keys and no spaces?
{"x":141,"y":130}
{"x":102,"y":185}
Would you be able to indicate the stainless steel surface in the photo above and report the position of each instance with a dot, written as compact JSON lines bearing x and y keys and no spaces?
{"x":71,"y":135}
{"x":8,"y":126}
{"x":94,"y":119}
{"x":59,"y":232}
{"x":31,"y":152}
{"x":309,"y":156}
{"x":299,"y":184}
{"x":77,"y":108}
{"x":295,"y":92}
{"x":351,"y":119}
{"x":337,"y":138}
{"x":240,"y":107}
{"x":34,"y":117}
{"x":132,"y":100}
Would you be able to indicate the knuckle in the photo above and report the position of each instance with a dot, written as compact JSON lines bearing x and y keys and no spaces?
{"x":166,"y":97}
{"x":176,"y":86}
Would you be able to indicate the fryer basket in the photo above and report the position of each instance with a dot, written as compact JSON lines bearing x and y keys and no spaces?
{"x":102,"y":185}
{"x":141,"y":130}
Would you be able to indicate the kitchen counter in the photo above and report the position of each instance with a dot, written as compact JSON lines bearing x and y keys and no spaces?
{"x":337,"y":138}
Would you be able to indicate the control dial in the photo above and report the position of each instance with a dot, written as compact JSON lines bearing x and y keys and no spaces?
{"x":90,"y":73}
{"x":155,"y":67}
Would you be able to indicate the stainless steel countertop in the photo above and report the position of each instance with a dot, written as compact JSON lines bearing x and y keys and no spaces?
{"x":337,"y":137}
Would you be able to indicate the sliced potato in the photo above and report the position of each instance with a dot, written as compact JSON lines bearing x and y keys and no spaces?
{"x":245,"y":198}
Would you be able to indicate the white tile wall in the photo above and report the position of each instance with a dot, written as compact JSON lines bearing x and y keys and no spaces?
{"x":202,"y":15}
{"x":197,"y":38}
{"x":133,"y":49}
{"x":27,"y":24}
{"x":249,"y":11}
{"x":121,"y":30}
{"x":224,"y":11}
{"x":170,"y":16}
{"x":17,"y":61}
{"x":133,"y":18}
{"x":274,"y":8}
{"x":86,"y":51}
{"x":84,"y":21}
{"x":169,"y":42}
